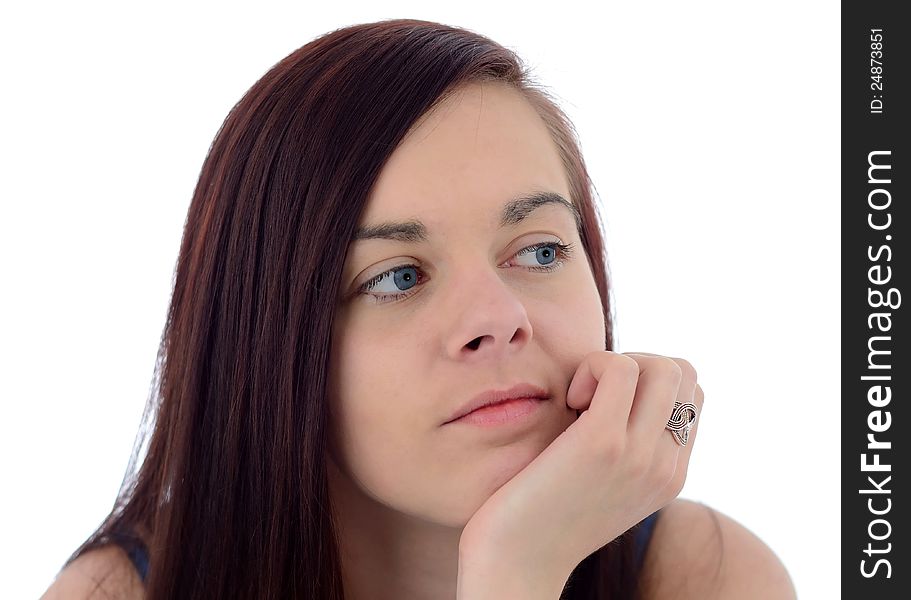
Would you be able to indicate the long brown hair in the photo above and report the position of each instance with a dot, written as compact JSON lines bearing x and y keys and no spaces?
{"x":230,"y":498}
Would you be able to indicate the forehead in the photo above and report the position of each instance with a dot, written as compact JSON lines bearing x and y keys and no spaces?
{"x":480,"y":147}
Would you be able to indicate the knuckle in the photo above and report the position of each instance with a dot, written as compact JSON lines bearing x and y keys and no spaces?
{"x":628,"y":366}
{"x":664,"y":471}
{"x":619,"y":366}
{"x":688,"y":370}
{"x":640,"y":465}
{"x":677,"y":482}
{"x":670,"y":369}
{"x":679,"y":478}
{"x":611,"y":449}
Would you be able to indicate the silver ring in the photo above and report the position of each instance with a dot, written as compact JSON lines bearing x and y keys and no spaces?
{"x":682,"y":419}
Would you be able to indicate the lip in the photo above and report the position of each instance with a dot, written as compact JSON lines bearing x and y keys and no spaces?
{"x":493,"y":397}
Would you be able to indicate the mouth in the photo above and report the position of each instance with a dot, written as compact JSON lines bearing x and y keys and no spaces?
{"x":493,"y":397}
{"x":508,"y":412}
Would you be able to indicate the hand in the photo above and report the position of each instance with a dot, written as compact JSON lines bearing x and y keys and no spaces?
{"x":614,"y":466}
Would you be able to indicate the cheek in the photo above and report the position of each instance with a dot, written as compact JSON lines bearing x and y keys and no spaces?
{"x":388,"y":451}
{"x":376,"y":404}
{"x":575,"y":319}
{"x":385,"y":428}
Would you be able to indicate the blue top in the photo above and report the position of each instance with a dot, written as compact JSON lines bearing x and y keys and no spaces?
{"x":137,"y":552}
{"x":644,"y":535}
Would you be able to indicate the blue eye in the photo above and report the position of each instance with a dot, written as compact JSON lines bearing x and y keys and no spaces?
{"x":405,"y":277}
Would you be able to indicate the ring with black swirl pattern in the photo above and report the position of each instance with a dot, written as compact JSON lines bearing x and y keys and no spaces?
{"x":682,"y":419}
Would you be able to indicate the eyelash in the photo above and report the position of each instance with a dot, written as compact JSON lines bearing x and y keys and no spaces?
{"x":564,"y":251}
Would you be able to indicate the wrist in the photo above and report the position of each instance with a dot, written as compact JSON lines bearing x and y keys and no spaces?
{"x":485,"y":575}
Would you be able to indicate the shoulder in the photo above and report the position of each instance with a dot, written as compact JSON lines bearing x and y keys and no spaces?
{"x":698,"y":552}
{"x":101,"y":573}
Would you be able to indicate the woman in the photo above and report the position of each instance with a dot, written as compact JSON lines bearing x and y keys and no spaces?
{"x":394,"y":222}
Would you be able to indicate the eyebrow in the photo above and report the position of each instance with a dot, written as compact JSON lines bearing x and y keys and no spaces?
{"x":513,"y":212}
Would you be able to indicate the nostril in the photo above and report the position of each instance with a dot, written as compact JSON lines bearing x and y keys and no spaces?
{"x":473,"y":344}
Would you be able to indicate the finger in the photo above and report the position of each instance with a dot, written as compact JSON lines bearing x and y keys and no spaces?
{"x":688,"y":384}
{"x":662,"y":382}
{"x":603,"y":386}
{"x":680,"y":456}
{"x":683,"y":458}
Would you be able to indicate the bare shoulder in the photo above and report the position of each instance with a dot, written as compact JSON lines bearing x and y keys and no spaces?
{"x":698,"y":552}
{"x":101,"y":573}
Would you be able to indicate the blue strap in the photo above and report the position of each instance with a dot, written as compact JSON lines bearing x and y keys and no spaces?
{"x":135,"y":550}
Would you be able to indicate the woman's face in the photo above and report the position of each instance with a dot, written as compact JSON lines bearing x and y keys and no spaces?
{"x":470,"y":315}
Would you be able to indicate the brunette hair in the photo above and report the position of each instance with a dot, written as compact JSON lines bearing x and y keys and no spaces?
{"x":230,"y":498}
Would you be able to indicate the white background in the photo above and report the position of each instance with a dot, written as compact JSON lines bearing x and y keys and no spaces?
{"x":711,"y":130}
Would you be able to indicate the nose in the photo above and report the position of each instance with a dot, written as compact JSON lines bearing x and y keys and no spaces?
{"x":489,"y":319}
